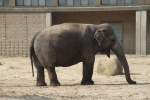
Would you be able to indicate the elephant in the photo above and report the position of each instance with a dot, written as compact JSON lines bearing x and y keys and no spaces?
{"x":67,"y":44}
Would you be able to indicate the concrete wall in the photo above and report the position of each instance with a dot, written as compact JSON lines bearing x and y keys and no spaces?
{"x":127,"y":18}
{"x":16,"y":31}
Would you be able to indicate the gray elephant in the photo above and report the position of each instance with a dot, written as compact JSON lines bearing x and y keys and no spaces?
{"x":69,"y":43}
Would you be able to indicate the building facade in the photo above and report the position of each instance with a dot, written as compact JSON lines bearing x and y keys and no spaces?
{"x":21,"y":19}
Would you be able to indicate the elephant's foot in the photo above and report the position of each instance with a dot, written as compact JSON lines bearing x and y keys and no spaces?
{"x":131,"y":81}
{"x":41,"y":84}
{"x":54,"y":83}
{"x":89,"y":82}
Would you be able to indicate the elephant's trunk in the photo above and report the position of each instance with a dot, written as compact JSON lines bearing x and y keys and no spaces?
{"x":117,"y":49}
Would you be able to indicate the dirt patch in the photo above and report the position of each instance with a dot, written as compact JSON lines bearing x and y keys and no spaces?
{"x":17,"y":83}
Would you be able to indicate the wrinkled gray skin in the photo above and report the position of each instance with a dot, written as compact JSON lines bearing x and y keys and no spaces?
{"x":71,"y":43}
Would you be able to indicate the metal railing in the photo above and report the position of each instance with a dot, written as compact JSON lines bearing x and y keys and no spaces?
{"x":80,"y":3}
{"x":14,"y":48}
{"x":71,"y":3}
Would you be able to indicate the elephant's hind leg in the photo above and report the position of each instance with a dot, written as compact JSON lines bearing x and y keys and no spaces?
{"x":53,"y":76}
{"x":40,"y":73}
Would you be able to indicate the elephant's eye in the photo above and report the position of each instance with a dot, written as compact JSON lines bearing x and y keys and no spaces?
{"x":113,"y":40}
{"x":99,"y":31}
{"x":104,"y":31}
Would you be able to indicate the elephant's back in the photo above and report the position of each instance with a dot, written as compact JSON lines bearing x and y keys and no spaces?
{"x":70,"y":27}
{"x":66,"y":32}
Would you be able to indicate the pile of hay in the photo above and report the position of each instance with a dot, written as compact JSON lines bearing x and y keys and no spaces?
{"x":109,"y":66}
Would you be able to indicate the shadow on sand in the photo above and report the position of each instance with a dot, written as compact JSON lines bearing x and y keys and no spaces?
{"x":25,"y":97}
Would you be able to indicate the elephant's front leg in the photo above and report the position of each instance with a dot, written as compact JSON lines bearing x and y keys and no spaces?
{"x":88,"y":72}
{"x":53,"y":76}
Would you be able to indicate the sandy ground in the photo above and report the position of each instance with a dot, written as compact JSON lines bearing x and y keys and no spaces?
{"x":17,"y":83}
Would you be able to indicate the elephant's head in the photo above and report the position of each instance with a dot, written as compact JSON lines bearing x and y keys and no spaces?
{"x":105,"y":37}
{"x":107,"y":41}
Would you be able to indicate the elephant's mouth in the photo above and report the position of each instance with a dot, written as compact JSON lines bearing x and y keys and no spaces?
{"x":106,"y":51}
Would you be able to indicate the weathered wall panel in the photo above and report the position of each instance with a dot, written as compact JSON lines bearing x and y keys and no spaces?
{"x":15,"y":27}
{"x":17,"y":30}
{"x":36,"y":22}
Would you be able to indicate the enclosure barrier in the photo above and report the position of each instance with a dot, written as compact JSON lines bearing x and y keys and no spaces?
{"x":14,"y":48}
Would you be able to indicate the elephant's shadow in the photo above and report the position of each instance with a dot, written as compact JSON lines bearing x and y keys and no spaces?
{"x":109,"y":84}
{"x":98,"y":84}
{"x":77,"y":84}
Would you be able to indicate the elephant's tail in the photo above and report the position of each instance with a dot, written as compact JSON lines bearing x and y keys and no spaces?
{"x":32,"y":53}
{"x":31,"y":58}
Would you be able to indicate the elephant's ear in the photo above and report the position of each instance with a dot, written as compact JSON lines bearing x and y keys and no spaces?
{"x":99,"y":37}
